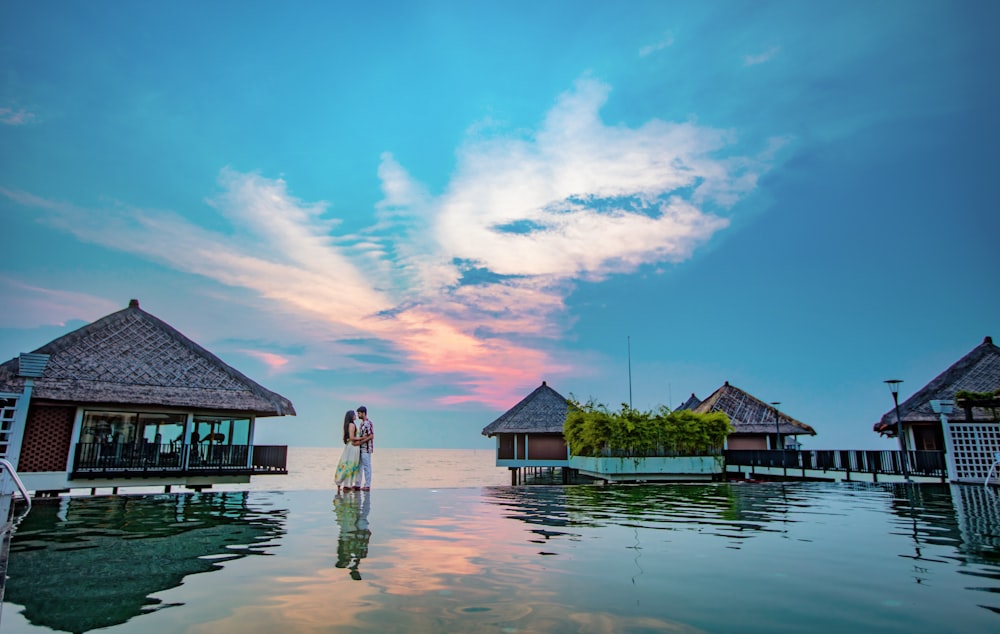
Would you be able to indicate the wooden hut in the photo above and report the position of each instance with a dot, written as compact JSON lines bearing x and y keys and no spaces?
{"x":530,"y":434}
{"x":756,"y":424}
{"x":934,"y":418}
{"x":130,"y":401}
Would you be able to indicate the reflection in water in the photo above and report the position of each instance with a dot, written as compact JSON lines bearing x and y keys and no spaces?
{"x":351,"y":508}
{"x":752,"y":558}
{"x":78,"y":564}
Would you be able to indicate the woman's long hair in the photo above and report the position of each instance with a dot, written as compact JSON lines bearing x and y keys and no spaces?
{"x":348,"y":419}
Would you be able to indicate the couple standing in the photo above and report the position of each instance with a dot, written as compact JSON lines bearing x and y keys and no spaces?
{"x":359,"y":445}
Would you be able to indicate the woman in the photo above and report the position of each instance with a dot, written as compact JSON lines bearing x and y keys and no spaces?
{"x":348,"y":468}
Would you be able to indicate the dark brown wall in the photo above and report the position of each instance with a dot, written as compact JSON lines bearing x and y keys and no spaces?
{"x":47,"y":438}
{"x":505,"y":449}
{"x":546,"y":447}
{"x":746,"y":442}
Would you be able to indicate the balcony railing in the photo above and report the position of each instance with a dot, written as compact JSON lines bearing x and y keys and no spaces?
{"x":904,"y":463}
{"x":92,"y":460}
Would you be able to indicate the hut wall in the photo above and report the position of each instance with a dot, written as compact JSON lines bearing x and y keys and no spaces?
{"x":505,"y":446}
{"x":546,"y":447}
{"x":746,"y":442}
{"x":47,"y":436}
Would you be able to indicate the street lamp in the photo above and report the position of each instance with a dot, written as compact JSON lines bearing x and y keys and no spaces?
{"x":777,"y":430}
{"x":894,"y":388}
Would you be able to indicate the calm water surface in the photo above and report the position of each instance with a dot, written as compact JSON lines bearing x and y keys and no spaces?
{"x":677,"y":558}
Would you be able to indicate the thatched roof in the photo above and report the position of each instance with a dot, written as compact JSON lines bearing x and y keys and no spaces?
{"x":131,"y":357}
{"x":978,"y":371}
{"x":541,"y":412}
{"x":692,"y":402}
{"x":750,"y":415}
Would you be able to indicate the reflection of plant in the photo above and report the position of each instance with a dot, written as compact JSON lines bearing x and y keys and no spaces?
{"x":592,"y":430}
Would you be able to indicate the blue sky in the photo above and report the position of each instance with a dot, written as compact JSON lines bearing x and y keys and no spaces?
{"x":432,"y":207}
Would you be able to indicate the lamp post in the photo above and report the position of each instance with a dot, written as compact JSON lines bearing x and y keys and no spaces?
{"x":777,"y":430}
{"x":894,"y":389}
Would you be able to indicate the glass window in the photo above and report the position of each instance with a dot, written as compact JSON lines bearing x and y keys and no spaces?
{"x":109,"y":427}
{"x":219,"y":430}
{"x":160,"y":429}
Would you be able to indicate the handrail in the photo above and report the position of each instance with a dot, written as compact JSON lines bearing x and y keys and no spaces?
{"x":20,"y":485}
{"x":993,"y":468}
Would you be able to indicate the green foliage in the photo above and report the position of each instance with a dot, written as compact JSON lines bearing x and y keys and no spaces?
{"x":967,"y":395}
{"x":592,"y":430}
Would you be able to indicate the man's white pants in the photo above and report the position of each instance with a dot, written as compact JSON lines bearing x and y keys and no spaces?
{"x":366,"y":469}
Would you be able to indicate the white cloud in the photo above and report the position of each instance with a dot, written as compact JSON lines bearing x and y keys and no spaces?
{"x":760,"y":58}
{"x":28,"y":306}
{"x":649,"y":49}
{"x":19,"y":116}
{"x":458,"y":283}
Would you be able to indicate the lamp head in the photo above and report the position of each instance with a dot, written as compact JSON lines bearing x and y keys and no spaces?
{"x":894,"y":385}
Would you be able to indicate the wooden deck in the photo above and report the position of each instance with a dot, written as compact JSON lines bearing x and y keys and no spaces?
{"x":854,"y":465}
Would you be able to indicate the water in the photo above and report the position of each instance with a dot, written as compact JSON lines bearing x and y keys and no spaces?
{"x":427,"y":554}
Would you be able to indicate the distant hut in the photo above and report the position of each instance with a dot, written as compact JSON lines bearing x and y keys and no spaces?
{"x":972,"y":437}
{"x":756,"y":424}
{"x":530,"y":434}
{"x":692,"y":402}
{"x":118,"y":403}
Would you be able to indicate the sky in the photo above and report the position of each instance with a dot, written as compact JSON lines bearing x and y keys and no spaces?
{"x":431,"y":207}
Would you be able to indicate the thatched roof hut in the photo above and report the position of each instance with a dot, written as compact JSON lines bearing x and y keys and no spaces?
{"x":132,"y":357}
{"x":750,"y":415}
{"x":692,"y":402}
{"x":977,"y":371}
{"x":530,"y":434}
{"x":543,"y":411}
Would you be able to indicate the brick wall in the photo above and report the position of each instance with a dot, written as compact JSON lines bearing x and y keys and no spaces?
{"x":46,"y":439}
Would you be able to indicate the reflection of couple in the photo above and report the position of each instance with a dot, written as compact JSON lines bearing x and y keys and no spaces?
{"x":356,"y":459}
{"x":352,"y":509}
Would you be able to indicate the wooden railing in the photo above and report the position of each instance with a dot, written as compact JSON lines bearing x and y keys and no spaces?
{"x":904,"y":463}
{"x":111,"y":460}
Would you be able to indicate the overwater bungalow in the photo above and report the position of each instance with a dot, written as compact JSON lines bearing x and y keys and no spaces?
{"x":530,"y":434}
{"x":955,"y":413}
{"x":756,"y":424}
{"x":128,"y":400}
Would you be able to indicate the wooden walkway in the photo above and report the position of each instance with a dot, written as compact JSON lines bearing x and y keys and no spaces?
{"x":854,"y":465}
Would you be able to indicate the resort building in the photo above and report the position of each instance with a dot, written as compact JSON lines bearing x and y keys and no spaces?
{"x":955,"y":413}
{"x":756,"y":424}
{"x":130,"y":401}
{"x":530,"y":434}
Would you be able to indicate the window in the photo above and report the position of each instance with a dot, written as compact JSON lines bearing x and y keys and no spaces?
{"x":131,"y":427}
{"x":219,"y":430}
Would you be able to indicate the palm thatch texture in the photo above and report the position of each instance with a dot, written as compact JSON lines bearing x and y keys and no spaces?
{"x":541,"y":412}
{"x":978,"y":371}
{"x":750,"y":415}
{"x":132,"y":357}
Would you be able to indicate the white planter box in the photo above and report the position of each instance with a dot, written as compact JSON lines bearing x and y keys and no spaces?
{"x":633,"y":469}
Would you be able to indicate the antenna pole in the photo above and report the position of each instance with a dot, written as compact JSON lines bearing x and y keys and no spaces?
{"x":630,"y":372}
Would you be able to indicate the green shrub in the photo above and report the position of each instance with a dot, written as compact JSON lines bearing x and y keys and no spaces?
{"x":592,"y":430}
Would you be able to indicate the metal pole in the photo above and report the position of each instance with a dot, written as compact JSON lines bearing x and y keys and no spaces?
{"x":894,"y":388}
{"x":777,"y":429}
{"x":629,"y":340}
{"x":902,"y":437}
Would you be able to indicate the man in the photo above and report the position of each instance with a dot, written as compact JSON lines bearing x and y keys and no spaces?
{"x":367,"y":433}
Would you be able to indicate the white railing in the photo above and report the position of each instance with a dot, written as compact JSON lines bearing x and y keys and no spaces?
{"x":9,"y":468}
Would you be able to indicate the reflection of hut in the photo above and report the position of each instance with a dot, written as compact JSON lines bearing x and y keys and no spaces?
{"x":530,"y":434}
{"x":973,"y":430}
{"x":93,"y":407}
{"x":133,"y":548}
{"x":756,"y":424}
